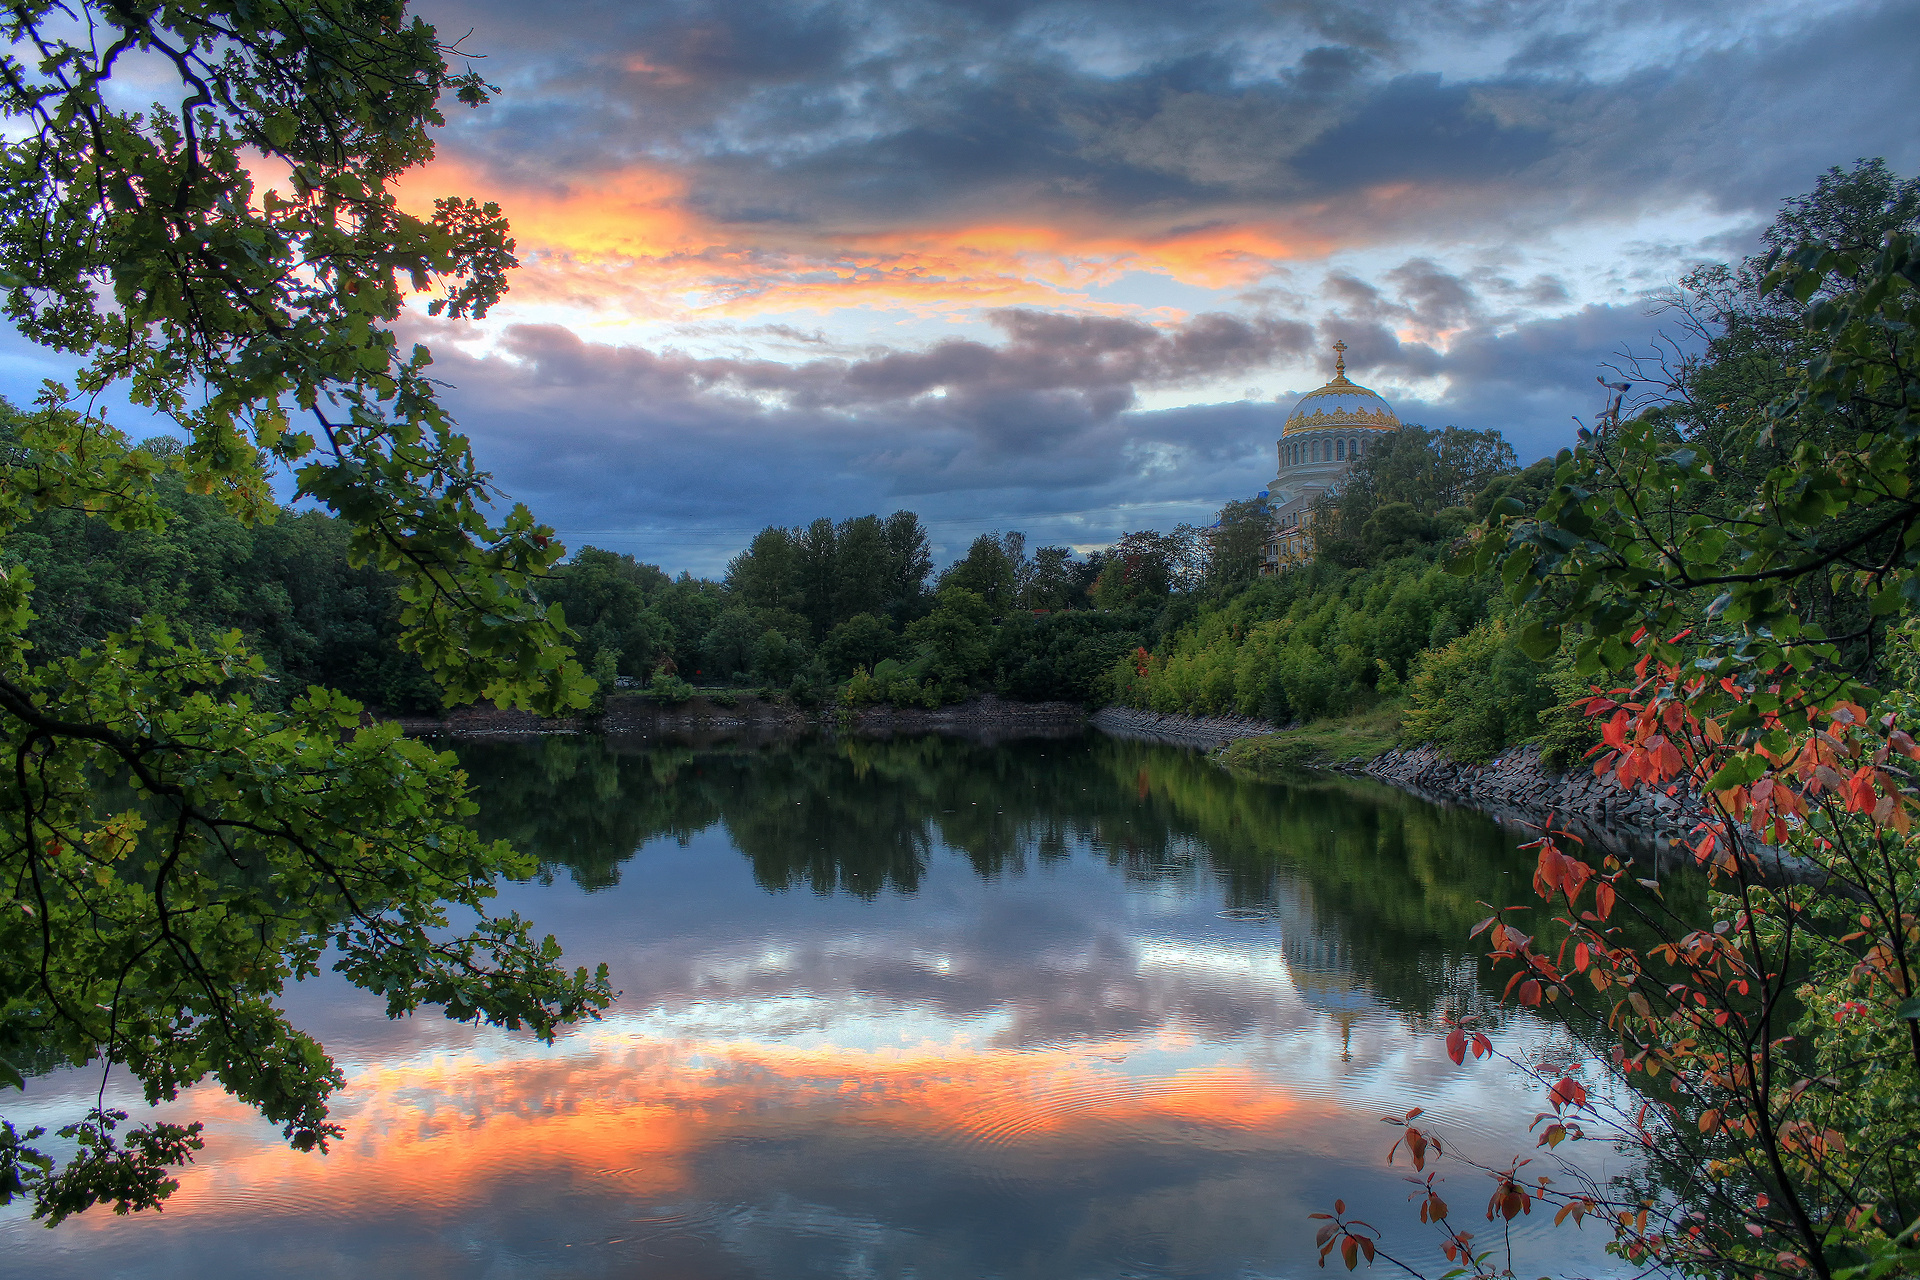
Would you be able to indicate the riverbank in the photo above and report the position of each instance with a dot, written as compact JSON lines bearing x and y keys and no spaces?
{"x":1519,"y":788}
{"x":1209,"y":732}
{"x":985,"y":719}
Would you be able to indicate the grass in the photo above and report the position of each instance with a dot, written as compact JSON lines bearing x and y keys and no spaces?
{"x":1343,"y":740}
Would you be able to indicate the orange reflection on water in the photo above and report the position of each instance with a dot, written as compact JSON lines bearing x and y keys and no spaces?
{"x":629,"y":1117}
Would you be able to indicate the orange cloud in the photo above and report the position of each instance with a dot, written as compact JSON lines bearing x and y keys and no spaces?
{"x":631,"y":244}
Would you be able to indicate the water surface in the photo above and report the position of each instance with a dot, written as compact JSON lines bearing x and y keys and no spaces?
{"x":911,"y":1007}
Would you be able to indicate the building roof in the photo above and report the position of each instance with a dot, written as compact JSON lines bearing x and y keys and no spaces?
{"x":1341,"y":404}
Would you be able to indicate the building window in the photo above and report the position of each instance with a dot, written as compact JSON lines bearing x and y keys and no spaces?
{"x":1353,"y":448}
{"x":1340,"y":450}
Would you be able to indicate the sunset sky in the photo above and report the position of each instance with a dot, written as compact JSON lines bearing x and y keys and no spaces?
{"x":1062,"y":267}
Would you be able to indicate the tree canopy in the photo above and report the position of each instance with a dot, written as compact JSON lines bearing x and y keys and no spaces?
{"x":178,"y":843}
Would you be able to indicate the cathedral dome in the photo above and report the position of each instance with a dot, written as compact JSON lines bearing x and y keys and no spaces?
{"x":1341,"y":404}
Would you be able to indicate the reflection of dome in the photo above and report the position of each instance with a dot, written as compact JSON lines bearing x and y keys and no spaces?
{"x":1341,"y":404}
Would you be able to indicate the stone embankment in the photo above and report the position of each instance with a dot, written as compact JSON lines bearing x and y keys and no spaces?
{"x":635,"y":715}
{"x":985,"y":719}
{"x":1518,"y":788}
{"x":485,"y":722}
{"x":1182,"y":731}
{"x":700,"y":720}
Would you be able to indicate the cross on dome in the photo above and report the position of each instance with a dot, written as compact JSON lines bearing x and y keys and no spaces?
{"x":1341,"y":404}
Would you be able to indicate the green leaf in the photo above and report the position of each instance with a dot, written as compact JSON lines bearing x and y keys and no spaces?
{"x":1540,"y":640}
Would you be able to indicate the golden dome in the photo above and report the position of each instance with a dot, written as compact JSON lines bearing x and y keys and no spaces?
{"x":1341,"y":404}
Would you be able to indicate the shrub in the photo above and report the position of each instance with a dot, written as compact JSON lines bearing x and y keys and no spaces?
{"x":1476,"y":695}
{"x":666,"y":687}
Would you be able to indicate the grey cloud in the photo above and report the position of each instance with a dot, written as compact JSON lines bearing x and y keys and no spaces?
{"x":1550,"y":50}
{"x":839,"y":114}
{"x":1035,"y":432}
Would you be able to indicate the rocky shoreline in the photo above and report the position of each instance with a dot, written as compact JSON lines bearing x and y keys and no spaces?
{"x":1518,"y":789}
{"x":1210,"y":732}
{"x":984,"y":719}
{"x":1517,"y":786}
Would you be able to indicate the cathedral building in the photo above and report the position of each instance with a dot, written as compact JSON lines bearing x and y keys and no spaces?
{"x":1325,"y":433}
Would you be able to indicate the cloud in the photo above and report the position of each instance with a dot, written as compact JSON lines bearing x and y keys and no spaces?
{"x":740,"y":156}
{"x":600,"y":438}
{"x":1041,"y":430}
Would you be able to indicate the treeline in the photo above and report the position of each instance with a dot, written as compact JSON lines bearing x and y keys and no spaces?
{"x":811,"y":609}
{"x":853,"y":610}
{"x":287,"y":587}
{"x":1376,"y":616}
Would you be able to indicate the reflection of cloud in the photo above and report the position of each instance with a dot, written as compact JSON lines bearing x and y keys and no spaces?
{"x":636,"y":1118}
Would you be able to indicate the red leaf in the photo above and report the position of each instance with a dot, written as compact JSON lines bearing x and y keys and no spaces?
{"x":1457,"y":1046}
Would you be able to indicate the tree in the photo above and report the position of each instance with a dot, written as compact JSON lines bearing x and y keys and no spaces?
{"x":956,"y":637}
{"x":1053,"y":582}
{"x":909,"y":565}
{"x":607,"y":597}
{"x":1146,"y":566}
{"x":990,"y":570}
{"x":1773,"y":1051}
{"x":156,"y":935}
{"x":1411,"y":473}
{"x":767,"y":575}
{"x":861,"y":641}
{"x":1237,"y":542}
{"x":861,"y":568}
{"x":729,"y":645}
{"x":817,"y":573}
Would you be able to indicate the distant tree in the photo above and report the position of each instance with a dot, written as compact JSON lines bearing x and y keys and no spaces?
{"x":778,"y":658}
{"x":607,"y":598}
{"x":909,"y":565}
{"x":956,"y":638}
{"x":767,"y":574}
{"x":690,"y":606}
{"x":1426,"y":471}
{"x":987,"y":570}
{"x":864,"y":640}
{"x":1237,"y":543}
{"x":816,"y":573}
{"x":1053,"y":581}
{"x":1145,"y":566}
{"x":861,"y":569}
{"x":729,"y":645}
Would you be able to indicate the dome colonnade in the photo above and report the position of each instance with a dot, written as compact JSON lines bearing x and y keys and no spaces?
{"x":1326,"y":433}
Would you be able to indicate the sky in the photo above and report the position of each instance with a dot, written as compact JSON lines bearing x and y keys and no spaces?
{"x":1063,"y":267}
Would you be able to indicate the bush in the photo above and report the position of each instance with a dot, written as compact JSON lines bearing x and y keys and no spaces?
{"x":665,"y":687}
{"x":1476,"y":695}
{"x":1275,"y":755}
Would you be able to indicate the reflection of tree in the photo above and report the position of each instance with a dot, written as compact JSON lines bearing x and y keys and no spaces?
{"x":578,"y":804}
{"x":1371,"y":890}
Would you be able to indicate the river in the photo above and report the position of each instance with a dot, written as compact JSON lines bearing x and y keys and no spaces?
{"x":908,"y":1007}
